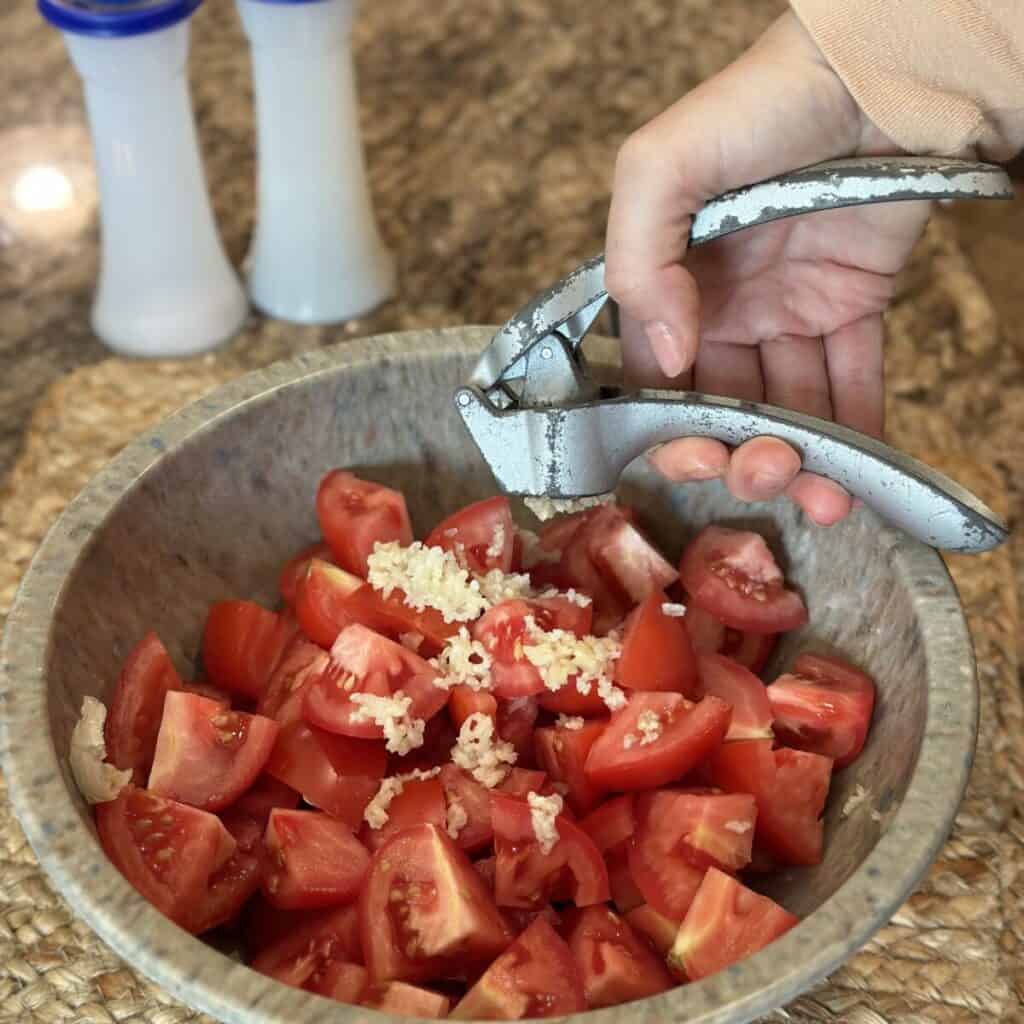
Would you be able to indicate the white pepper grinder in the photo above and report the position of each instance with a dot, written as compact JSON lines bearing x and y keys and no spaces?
{"x":166,"y":287}
{"x":317,"y":255}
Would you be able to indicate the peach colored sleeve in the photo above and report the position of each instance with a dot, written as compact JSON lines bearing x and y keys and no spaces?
{"x":942,"y":77}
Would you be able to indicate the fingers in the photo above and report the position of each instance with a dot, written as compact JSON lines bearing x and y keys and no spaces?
{"x":761,"y":469}
{"x":854,"y":355}
{"x":639,"y":365}
{"x":824,"y":502}
{"x":690,"y":459}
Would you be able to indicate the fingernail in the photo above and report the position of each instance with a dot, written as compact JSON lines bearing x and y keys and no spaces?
{"x":666,"y":346}
{"x":768,"y":485}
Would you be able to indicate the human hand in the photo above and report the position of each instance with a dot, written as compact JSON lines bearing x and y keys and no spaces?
{"x":789,"y":312}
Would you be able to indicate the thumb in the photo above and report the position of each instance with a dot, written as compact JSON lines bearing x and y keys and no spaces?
{"x":777,"y":108}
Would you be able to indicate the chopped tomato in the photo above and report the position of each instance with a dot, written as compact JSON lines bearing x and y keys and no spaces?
{"x":402,"y":1000}
{"x":569,"y":701}
{"x":657,"y":929}
{"x":562,"y":753}
{"x":295,"y":569}
{"x":667,"y":878}
{"x":421,"y":801}
{"x":615,"y":964}
{"x":356,"y":514}
{"x":725,"y":923}
{"x":625,"y":893}
{"x":439,"y":736}
{"x":340,"y":980}
{"x":712,"y":636}
{"x":481,"y":536}
{"x":465,"y":701}
{"x":362,"y":662}
{"x":790,"y":787}
{"x":536,"y":977}
{"x":305,"y":945}
{"x":167,"y":850}
{"x":713,"y":829}
{"x":313,"y":860}
{"x":580,"y":569}
{"x":263,"y":796}
{"x":656,"y":738}
{"x":242,"y":645}
{"x":824,"y":707}
{"x":138,"y":705}
{"x":515,"y":720}
{"x":206,"y":690}
{"x":526,"y":876}
{"x":656,"y":650}
{"x":328,"y":599}
{"x":742,"y":691}
{"x":301,"y":664}
{"x":206,"y":754}
{"x":473,"y":801}
{"x":425,"y":913}
{"x":733,"y":575}
{"x":337,"y":774}
{"x":612,"y":824}
{"x":628,"y":558}
{"x":521,"y":781}
{"x":504,"y":632}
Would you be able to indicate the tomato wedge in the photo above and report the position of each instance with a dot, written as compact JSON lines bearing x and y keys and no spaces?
{"x":615,"y":964}
{"x":305,"y":946}
{"x":733,"y":575}
{"x":242,"y":645}
{"x":612,"y":824}
{"x":536,"y":977}
{"x":515,"y":720}
{"x":526,"y":876}
{"x":657,"y":929}
{"x":824,"y":707}
{"x":481,"y":535}
{"x":742,"y":691}
{"x":294,"y":570}
{"x":425,"y":913}
{"x":712,"y":636}
{"x":790,"y":787}
{"x":137,"y":707}
{"x":362,"y":662}
{"x":628,"y":558}
{"x":725,"y":923}
{"x":562,"y":753}
{"x":339,"y":980}
{"x":300,"y":664}
{"x":206,"y":754}
{"x":336,"y":774}
{"x":468,"y":800}
{"x":667,"y":879}
{"x":714,"y":829}
{"x":656,"y":738}
{"x":402,"y":1000}
{"x":465,"y":701}
{"x":262,"y":797}
{"x":656,"y":650}
{"x":356,"y":514}
{"x":168,"y":851}
{"x":313,"y":860}
{"x":421,"y":801}
{"x":328,"y":599}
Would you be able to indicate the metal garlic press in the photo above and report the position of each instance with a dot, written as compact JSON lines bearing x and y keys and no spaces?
{"x":546,"y":428}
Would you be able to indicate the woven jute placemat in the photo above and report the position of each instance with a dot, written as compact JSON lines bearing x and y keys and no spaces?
{"x":952,"y":953}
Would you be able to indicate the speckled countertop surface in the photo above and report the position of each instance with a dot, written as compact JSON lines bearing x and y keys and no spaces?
{"x":491,"y":130}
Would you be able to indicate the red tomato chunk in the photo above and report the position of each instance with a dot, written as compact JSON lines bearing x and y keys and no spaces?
{"x":325,"y":784}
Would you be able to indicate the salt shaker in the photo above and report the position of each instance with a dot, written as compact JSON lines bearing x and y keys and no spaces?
{"x":317,"y":255}
{"x":166,"y":287}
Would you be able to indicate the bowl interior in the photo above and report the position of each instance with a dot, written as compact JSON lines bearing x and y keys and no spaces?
{"x":210,"y":508}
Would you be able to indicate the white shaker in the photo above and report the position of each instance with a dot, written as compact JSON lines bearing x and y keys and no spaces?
{"x":166,"y":287}
{"x":317,"y":255}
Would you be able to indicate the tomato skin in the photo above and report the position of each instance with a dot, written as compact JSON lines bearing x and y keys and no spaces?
{"x":711,"y":636}
{"x":294,"y":570}
{"x":137,"y":706}
{"x":733,"y":575}
{"x":422,"y":801}
{"x":612,"y":824}
{"x":336,"y":774}
{"x":562,"y":753}
{"x":301,"y":663}
{"x":206,"y":754}
{"x":313,"y":860}
{"x":242,"y":645}
{"x":689,"y":733}
{"x":481,"y":535}
{"x":714,"y":829}
{"x":656,"y":651}
{"x":465,"y":701}
{"x":657,"y":929}
{"x":628,"y":558}
{"x":263,"y":796}
{"x":443,"y":922}
{"x":375,"y":665}
{"x":525,"y":876}
{"x":725,"y":923}
{"x":355,"y":514}
{"x":824,"y":707}
{"x":742,"y":691}
{"x":615,"y":965}
{"x":461,"y":788}
{"x":790,"y":788}
{"x":400,"y":999}
{"x":536,"y":977}
{"x":168,"y":851}
{"x":303,"y":944}
{"x":581,"y":570}
{"x":329,"y":598}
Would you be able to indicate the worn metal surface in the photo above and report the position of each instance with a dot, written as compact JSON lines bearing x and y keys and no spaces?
{"x":825,"y":186}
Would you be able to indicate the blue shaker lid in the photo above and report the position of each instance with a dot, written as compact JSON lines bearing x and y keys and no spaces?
{"x":115,"y":18}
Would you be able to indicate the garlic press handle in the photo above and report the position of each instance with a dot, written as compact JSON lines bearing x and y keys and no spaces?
{"x":581,"y":450}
